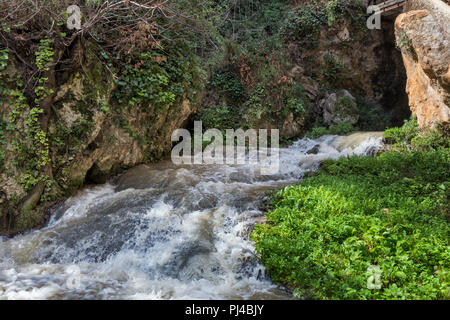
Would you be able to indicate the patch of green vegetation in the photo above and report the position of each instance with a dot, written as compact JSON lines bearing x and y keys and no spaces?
{"x":410,"y":137}
{"x":372,"y":117}
{"x":125,"y":124}
{"x":402,"y":136}
{"x":69,"y":141}
{"x":256,"y":20}
{"x":26,"y":220}
{"x":403,"y":42}
{"x":155,"y":80}
{"x":296,"y":105}
{"x":254,"y":107}
{"x":247,"y":74}
{"x":159,"y":77}
{"x":4,"y":60}
{"x":2,"y":141}
{"x":221,"y":118}
{"x":303,"y":24}
{"x":333,"y":68}
{"x":29,"y":141}
{"x":44,"y":54}
{"x":228,"y":84}
{"x":252,"y":72}
{"x":338,"y":129}
{"x":22,"y":132}
{"x":295,"y":100}
{"x":345,"y":103}
{"x":391,"y":212}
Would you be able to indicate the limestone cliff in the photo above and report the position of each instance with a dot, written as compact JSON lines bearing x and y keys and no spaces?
{"x":423,"y":33}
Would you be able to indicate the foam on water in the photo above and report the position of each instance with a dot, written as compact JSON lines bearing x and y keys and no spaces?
{"x":167,"y":233}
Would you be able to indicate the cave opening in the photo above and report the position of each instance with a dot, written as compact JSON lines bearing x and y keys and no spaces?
{"x":392,"y":76}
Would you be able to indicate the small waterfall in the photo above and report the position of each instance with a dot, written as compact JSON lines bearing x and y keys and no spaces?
{"x":162,"y":232}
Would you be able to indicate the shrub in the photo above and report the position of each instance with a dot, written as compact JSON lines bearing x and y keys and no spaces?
{"x":409,"y":136}
{"x":435,"y":139}
{"x":227,"y":84}
{"x":220,"y":118}
{"x":402,"y":135}
{"x":339,"y":129}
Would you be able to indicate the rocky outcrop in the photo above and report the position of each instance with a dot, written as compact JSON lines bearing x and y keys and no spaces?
{"x":111,"y":142}
{"x":363,"y":62}
{"x":90,"y":136}
{"x":424,"y":37}
{"x":336,"y":56}
{"x":339,"y":107}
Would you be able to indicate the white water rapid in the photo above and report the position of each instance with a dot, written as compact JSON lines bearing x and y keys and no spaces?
{"x":161,"y":232}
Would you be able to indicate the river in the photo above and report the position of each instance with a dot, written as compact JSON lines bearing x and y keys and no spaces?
{"x":162,"y":232}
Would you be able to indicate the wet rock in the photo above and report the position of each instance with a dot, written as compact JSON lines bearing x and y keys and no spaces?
{"x":314,"y":150}
{"x":292,"y":126}
{"x":184,"y":257}
{"x":262,"y":220}
{"x":136,"y":178}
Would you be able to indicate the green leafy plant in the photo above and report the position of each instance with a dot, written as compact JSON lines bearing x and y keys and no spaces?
{"x":305,"y":22}
{"x":4,"y":58}
{"x":324,"y":234}
{"x":333,"y":68}
{"x":228,"y":84}
{"x":402,"y":136}
{"x":390,"y":212}
{"x":44,"y":54}
{"x":372,"y":117}
{"x":339,"y":129}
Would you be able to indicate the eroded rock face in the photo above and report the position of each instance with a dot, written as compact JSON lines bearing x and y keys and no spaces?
{"x":89,"y":140}
{"x":339,"y":107}
{"x":361,"y":62}
{"x":109,"y":144}
{"x":423,"y":36}
{"x":292,"y":126}
{"x":344,"y":55}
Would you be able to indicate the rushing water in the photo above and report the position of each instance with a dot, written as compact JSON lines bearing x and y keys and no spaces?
{"x":161,"y":232}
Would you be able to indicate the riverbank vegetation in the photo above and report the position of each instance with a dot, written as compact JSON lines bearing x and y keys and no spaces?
{"x":325,"y":236}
